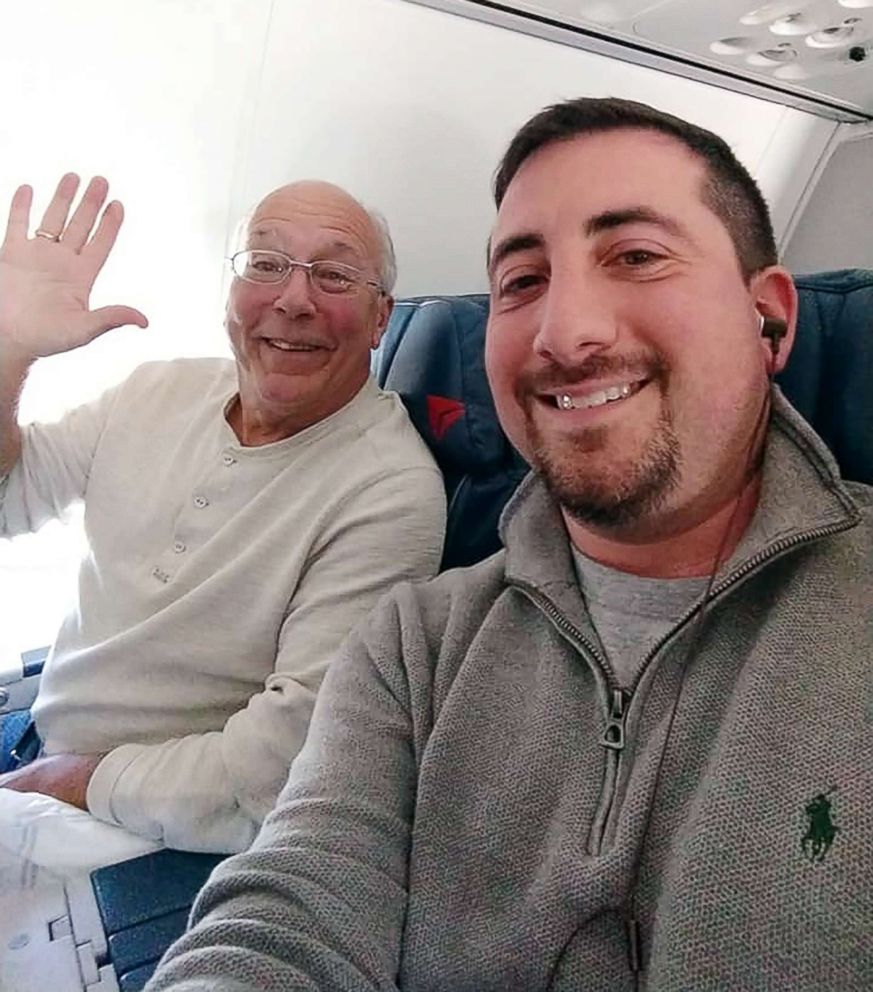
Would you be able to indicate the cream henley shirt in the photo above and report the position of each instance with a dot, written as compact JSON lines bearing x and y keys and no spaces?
{"x":219,"y":583}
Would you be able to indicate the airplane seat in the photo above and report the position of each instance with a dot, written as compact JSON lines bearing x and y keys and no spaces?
{"x":829,"y":376}
{"x":432,"y":355}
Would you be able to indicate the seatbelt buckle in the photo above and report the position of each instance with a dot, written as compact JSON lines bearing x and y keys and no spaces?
{"x":28,"y":746}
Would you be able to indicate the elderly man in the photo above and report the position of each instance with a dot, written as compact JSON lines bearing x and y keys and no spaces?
{"x":240,"y":518}
{"x":586,"y":762}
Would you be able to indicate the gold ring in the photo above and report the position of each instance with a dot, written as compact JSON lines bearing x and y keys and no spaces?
{"x":40,"y":232}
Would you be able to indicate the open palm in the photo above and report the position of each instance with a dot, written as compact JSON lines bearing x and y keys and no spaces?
{"x":46,"y":281}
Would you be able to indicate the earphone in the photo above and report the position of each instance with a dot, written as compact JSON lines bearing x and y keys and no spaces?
{"x":774,"y":329}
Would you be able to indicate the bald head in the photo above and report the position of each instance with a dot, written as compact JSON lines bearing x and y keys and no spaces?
{"x":302,"y":346}
{"x":307,"y":192}
{"x":359,"y":231}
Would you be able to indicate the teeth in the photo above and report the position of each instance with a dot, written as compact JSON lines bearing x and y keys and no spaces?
{"x":566,"y":402}
{"x":287,"y":346}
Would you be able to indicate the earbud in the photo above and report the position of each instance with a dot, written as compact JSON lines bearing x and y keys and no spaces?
{"x":775,"y":330}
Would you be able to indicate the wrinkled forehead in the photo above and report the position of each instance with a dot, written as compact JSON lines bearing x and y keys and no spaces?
{"x":314,"y":217}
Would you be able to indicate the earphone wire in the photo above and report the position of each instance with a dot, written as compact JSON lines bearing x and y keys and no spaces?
{"x":753,"y":463}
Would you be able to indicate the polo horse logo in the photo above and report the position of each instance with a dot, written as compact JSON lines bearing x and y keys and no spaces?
{"x":820,"y":830}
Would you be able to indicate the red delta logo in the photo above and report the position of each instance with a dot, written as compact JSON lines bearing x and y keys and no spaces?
{"x":442,"y":413}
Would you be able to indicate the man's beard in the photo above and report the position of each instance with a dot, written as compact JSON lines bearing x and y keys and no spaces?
{"x":626,"y":491}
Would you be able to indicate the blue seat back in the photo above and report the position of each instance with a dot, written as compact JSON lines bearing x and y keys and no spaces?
{"x":829,"y":377}
{"x":432,"y":354}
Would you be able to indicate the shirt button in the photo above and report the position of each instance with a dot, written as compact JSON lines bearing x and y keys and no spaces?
{"x":228,"y":458}
{"x":180,"y":547}
{"x":200,"y":502}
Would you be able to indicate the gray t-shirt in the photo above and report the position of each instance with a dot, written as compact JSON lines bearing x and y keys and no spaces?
{"x":630,"y":613}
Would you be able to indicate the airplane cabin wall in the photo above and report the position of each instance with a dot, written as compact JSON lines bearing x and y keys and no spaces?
{"x":835,"y":230}
{"x":151,"y":96}
{"x":411,"y":108}
{"x":194,"y":109}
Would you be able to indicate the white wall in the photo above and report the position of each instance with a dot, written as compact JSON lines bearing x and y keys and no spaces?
{"x":195,"y":108}
{"x":150,"y":95}
{"x":836,"y":228}
{"x":412,"y":107}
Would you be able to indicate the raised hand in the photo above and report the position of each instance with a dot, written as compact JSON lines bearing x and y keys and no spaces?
{"x":46,"y":280}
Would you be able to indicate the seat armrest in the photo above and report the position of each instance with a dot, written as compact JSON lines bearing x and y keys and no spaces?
{"x":33,"y":661}
{"x":19,"y":680}
{"x":144,"y":904}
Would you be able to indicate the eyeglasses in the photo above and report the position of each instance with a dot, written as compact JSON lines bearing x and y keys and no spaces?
{"x":264,"y":266}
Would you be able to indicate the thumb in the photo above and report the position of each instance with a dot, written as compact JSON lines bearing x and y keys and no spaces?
{"x":108,"y":318}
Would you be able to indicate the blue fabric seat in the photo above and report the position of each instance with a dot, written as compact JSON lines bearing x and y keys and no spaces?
{"x":12,"y":726}
{"x":829,"y":377}
{"x":432,"y":354}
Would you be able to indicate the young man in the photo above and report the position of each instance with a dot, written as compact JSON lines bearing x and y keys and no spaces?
{"x":588,"y":763}
{"x":241,"y":516}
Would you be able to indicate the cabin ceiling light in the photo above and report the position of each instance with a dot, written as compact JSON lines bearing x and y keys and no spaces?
{"x":855,"y":4}
{"x":834,"y":37}
{"x":771,"y":11}
{"x":792,"y":73}
{"x":733,"y":46}
{"x":604,"y":13}
{"x":772,"y":56}
{"x":794,"y":24}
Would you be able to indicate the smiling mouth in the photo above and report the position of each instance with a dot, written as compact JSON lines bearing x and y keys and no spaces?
{"x":601,"y":397}
{"x":281,"y":345}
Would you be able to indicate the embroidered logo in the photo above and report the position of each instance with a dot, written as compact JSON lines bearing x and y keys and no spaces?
{"x":820,"y":828}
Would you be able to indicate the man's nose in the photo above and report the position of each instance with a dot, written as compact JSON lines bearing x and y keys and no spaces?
{"x":577,"y":319}
{"x":295,"y":296}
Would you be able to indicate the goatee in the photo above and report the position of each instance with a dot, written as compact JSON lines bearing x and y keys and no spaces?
{"x":624,"y":491}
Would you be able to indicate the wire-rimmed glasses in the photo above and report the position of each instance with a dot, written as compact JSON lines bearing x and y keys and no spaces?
{"x":262,"y":265}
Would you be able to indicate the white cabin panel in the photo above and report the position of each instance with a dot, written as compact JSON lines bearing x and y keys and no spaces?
{"x":834,"y":231}
{"x":411,"y":107}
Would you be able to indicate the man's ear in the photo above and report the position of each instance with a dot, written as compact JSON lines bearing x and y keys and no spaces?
{"x":775,"y":299}
{"x":384,"y":306}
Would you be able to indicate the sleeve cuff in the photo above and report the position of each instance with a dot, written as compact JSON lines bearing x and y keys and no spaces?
{"x":103,"y":781}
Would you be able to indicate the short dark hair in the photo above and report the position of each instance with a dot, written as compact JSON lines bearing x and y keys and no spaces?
{"x":729,"y":191}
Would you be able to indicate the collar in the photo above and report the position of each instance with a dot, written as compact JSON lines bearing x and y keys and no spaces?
{"x":359,"y":412}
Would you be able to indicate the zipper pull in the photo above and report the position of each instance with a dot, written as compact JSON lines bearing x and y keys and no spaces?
{"x":613,"y":736}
